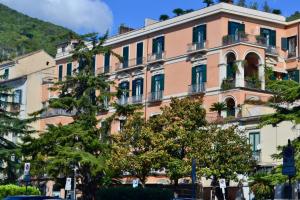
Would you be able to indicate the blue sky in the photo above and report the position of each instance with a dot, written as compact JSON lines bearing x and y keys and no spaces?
{"x":133,"y":12}
{"x":85,"y":16}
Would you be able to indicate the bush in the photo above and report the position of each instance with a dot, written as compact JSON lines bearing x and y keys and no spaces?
{"x":11,"y":190}
{"x":127,"y":193}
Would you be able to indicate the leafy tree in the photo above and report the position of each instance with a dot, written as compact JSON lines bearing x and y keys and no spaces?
{"x":188,"y":11}
{"x":178,"y":11}
{"x":164,"y":17}
{"x":242,"y":3}
{"x":227,"y":1}
{"x":218,"y":107}
{"x":293,"y":17}
{"x":253,"y":5}
{"x":266,"y":7}
{"x":136,"y":149}
{"x":179,"y":123}
{"x":10,"y":123}
{"x":208,"y":2}
{"x":277,"y":11}
{"x":79,"y":144}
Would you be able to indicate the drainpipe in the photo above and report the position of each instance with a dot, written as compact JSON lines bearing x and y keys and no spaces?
{"x":298,"y":28}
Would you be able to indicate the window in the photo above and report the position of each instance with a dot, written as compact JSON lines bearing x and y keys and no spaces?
{"x":60,"y":72}
{"x":125,"y":56}
{"x":294,"y":75}
{"x":269,"y":36}
{"x":199,"y":34}
{"x":6,"y":73}
{"x":198,"y":75}
{"x":158,"y":46}
{"x":235,"y":28}
{"x":106,"y":62}
{"x":139,"y":53}
{"x":124,"y":92}
{"x":69,"y":69}
{"x":122,"y":125}
{"x":254,"y":140}
{"x":17,"y":98}
{"x":292,"y":46}
{"x":157,"y":83}
{"x":137,"y":90}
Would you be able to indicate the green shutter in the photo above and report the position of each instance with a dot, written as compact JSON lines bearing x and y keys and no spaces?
{"x":69,"y":69}
{"x":297,"y":74}
{"x":154,"y":45}
{"x":230,"y":71}
{"x":242,"y":28}
{"x":142,"y":86}
{"x":6,"y":73}
{"x":273,"y":38}
{"x":162,"y":82}
{"x":285,"y":77}
{"x":272,"y":77}
{"x":204,"y":73}
{"x":203,"y":31}
{"x":125,"y":56}
{"x":194,"y":75}
{"x":60,"y":72}
{"x":284,"y":44}
{"x":195,"y":35}
{"x":139,"y":53}
{"x":153,"y":84}
{"x":134,"y":82}
{"x":107,"y":60}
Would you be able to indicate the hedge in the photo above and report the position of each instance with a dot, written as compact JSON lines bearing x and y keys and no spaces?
{"x":11,"y":190}
{"x":127,"y":193}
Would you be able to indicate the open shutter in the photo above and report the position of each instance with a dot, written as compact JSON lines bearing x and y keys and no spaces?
{"x":297,"y":74}
{"x":142,"y":86}
{"x":285,"y":77}
{"x":153,"y":84}
{"x":162,"y":42}
{"x":69,"y":69}
{"x":194,"y":75}
{"x":60,"y":72}
{"x":134,"y":82}
{"x":195,"y":34}
{"x":273,"y":38}
{"x":154,"y":45}
{"x":204,"y":73}
{"x":162,"y":82}
{"x":242,"y":28}
{"x":125,"y":56}
{"x":284,"y":44}
{"x":139,"y":53}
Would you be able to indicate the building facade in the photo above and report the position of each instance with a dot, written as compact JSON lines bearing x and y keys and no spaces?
{"x":221,"y":52}
{"x":24,"y":75}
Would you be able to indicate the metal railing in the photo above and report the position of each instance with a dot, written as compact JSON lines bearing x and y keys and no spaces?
{"x":156,"y":57}
{"x":228,"y":84}
{"x":292,"y":54}
{"x":193,"y":47}
{"x":272,"y":50}
{"x":130,"y":63}
{"x":56,"y":112}
{"x":156,"y":96}
{"x":253,"y":84}
{"x":232,"y":39}
{"x":137,"y":99}
{"x":123,"y":100}
{"x":197,"y":88}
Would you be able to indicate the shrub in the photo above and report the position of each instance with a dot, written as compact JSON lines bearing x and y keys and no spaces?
{"x":127,"y":193}
{"x":11,"y":190}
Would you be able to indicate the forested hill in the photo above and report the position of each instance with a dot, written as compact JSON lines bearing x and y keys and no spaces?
{"x":20,"y":34}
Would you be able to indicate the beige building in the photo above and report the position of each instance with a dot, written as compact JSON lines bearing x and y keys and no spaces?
{"x":24,"y":75}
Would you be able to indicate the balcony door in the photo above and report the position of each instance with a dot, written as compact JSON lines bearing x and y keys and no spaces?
{"x":137,"y":87}
{"x":124,"y":87}
{"x":158,"y":46}
{"x":199,"y":75}
{"x":269,"y":36}
{"x":254,"y":140}
{"x":199,"y":34}
{"x":157,"y":85}
{"x":139,"y":53}
{"x":234,"y":30}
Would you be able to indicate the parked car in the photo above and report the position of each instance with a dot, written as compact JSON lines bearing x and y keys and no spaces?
{"x":31,"y":198}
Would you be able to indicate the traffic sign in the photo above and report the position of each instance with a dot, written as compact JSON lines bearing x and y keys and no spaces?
{"x":135,"y":183}
{"x":222,"y":183}
{"x":288,"y":166}
{"x":26,"y":168}
{"x":68,"y":184}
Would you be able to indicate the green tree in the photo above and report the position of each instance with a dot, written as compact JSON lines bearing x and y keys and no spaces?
{"x":208,"y":2}
{"x":227,"y":1}
{"x":242,"y":3}
{"x":178,"y":11}
{"x":277,"y":11}
{"x":293,"y":17}
{"x":163,"y":17}
{"x":77,"y":145}
{"x":261,"y":186}
{"x":10,"y":123}
{"x":266,"y":7}
{"x":179,"y":123}
{"x":218,"y":107}
{"x":253,"y":5}
{"x":136,"y":149}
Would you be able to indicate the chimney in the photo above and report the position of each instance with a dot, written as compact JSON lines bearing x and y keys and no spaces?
{"x":124,"y":29}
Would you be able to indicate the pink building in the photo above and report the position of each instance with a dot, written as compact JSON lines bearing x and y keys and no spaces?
{"x":220,"y":52}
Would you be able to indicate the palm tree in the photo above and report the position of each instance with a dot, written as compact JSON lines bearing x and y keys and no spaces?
{"x":163,"y":17}
{"x":218,"y":107}
{"x":178,"y":11}
{"x":208,"y":2}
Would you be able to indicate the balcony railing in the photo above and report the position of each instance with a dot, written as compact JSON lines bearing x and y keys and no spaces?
{"x":232,"y":39}
{"x":253,"y":84}
{"x":228,"y":84}
{"x":130,"y":64}
{"x":156,"y":57}
{"x":197,"y":88}
{"x":292,"y":54}
{"x":272,"y":50}
{"x":256,"y":155}
{"x":195,"y":47}
{"x":137,"y":99}
{"x":156,"y":96}
{"x":123,"y":100}
{"x":56,"y":112}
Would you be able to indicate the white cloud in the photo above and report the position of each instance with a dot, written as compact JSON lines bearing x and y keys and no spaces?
{"x":82,"y":16}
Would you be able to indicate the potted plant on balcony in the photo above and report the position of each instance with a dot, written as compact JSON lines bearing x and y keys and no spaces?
{"x":227,"y":84}
{"x":253,"y":82}
{"x":226,"y":39}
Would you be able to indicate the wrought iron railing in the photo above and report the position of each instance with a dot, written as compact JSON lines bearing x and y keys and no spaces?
{"x":253,"y":84}
{"x":137,"y":99}
{"x":51,"y":112}
{"x":197,"y":88}
{"x":130,"y":63}
{"x":196,"y":46}
{"x":155,"y":57}
{"x":156,"y":96}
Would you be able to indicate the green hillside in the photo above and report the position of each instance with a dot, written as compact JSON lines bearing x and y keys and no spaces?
{"x":20,"y":34}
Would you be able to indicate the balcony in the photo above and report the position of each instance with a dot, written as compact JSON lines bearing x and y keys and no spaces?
{"x":228,"y":84}
{"x":130,"y":64}
{"x":103,"y":70}
{"x":292,"y":54}
{"x":52,"y":112}
{"x":156,"y":57}
{"x":256,"y":155}
{"x":252,"y":84}
{"x":273,"y":51}
{"x":123,"y":100}
{"x":156,"y":96}
{"x":197,"y":47}
{"x":137,"y":99}
{"x":233,"y":39}
{"x":197,"y":88}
